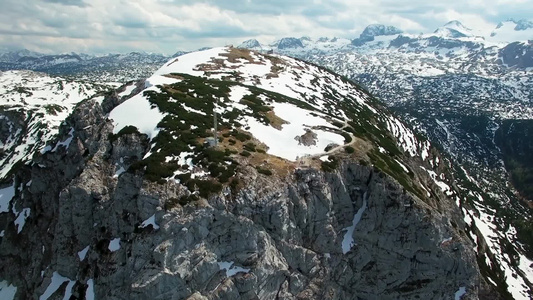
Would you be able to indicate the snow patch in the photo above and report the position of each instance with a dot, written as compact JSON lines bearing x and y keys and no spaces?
{"x":56,"y":281}
{"x":188,"y":63}
{"x":7,"y":291}
{"x":460,"y":293}
{"x":83,"y":253}
{"x":6,"y":194}
{"x":282,"y":143}
{"x":137,"y":111}
{"x":89,"y":293}
{"x":127,"y":91}
{"x":348,"y":241}
{"x":114,"y":245}
{"x":150,"y":221}
{"x":65,"y":143}
{"x":118,"y":172}
{"x":230,"y":269}
{"x":20,"y":221}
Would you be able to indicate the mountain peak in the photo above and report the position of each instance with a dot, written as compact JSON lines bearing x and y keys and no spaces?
{"x":250,"y":44}
{"x":513,"y":30}
{"x":522,"y":24}
{"x":454,"y":23}
{"x":454,"y":29}
{"x":373,"y":30}
{"x":289,"y":42}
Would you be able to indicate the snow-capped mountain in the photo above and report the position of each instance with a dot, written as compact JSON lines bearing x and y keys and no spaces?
{"x":454,"y":30}
{"x":12,"y":56}
{"x":375,"y":30}
{"x":288,"y":43}
{"x":251,"y":44}
{"x":511,"y":31}
{"x":107,"y":68}
{"x":297,"y":46}
{"x":379,"y":30}
{"x":464,"y":91}
{"x":229,"y":169}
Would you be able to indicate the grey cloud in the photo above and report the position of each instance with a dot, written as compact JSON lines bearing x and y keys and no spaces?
{"x":120,"y":25}
{"x":131,"y":23}
{"x":79,"y":3}
{"x":217,"y":31}
{"x":273,"y":7}
{"x":55,"y":22}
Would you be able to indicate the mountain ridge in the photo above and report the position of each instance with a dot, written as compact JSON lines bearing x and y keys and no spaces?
{"x":456,"y":91}
{"x":127,"y":196}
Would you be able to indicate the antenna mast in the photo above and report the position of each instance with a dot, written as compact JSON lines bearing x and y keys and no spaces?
{"x":215,"y":125}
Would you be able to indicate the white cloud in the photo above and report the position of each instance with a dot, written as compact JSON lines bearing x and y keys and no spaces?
{"x":473,"y":21}
{"x":169,"y":25}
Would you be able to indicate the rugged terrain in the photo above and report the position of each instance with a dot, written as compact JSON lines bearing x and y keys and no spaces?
{"x":310,"y":190}
{"x":103,"y":69}
{"x":463,"y":91}
{"x":32,"y":106}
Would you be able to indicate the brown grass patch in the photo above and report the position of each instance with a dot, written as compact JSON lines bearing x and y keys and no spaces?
{"x":275,"y":121}
{"x":236,"y":54}
{"x":175,"y":76}
{"x":277,"y":165}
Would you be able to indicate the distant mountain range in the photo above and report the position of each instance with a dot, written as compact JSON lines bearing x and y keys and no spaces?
{"x":111,"y":67}
{"x":507,"y":44}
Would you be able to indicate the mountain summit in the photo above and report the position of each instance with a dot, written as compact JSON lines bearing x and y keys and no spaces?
{"x":250,"y":44}
{"x":374,"y":30}
{"x":235,"y":175}
{"x":379,"y":30}
{"x":454,"y":29}
{"x":512,"y":30}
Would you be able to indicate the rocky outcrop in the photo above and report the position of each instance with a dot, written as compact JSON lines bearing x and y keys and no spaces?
{"x":517,"y":55}
{"x":250,"y":44}
{"x":371,"y":31}
{"x":289,"y":43}
{"x":96,"y":230}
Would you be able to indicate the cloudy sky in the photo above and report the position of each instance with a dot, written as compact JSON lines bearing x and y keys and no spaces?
{"x":165,"y":26}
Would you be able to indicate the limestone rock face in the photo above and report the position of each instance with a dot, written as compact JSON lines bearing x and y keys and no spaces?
{"x":275,"y":238}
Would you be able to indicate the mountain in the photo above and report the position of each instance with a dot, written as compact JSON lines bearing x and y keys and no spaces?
{"x":250,"y":44}
{"x":379,"y":30}
{"x":460,"y":93}
{"x":288,"y":43}
{"x":465,"y":95}
{"x":108,"y":68}
{"x":454,"y":29}
{"x":512,"y":31}
{"x":310,"y":188}
{"x":11,"y":56}
{"x":376,"y":30}
{"x":518,"y":55}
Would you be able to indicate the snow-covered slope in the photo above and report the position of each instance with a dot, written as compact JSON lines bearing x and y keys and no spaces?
{"x":457,"y":91}
{"x":32,"y":106}
{"x":457,"y":85}
{"x":278,"y":100}
{"x":512,"y":31}
{"x":142,"y":174}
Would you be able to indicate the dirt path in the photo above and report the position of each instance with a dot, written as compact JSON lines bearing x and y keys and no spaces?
{"x":308,"y":159}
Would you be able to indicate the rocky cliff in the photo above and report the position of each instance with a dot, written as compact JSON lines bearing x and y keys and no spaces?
{"x":99,"y":216}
